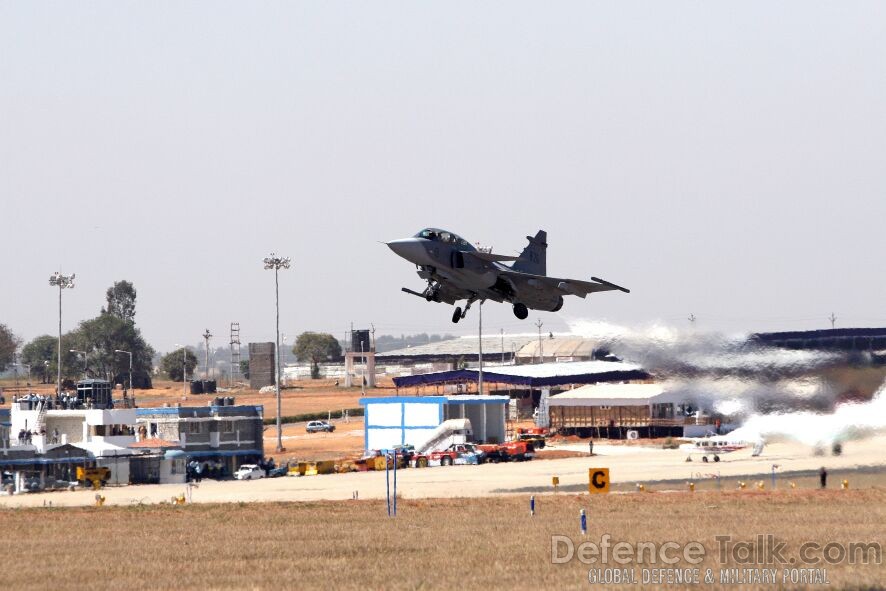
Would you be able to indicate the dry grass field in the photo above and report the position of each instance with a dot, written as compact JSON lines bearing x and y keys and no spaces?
{"x":484,"y":543}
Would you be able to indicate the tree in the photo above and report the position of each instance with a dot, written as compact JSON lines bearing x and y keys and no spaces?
{"x":172,"y":363}
{"x":42,"y":355}
{"x":316,"y":347}
{"x":101,"y":338}
{"x":8,"y":346}
{"x":121,"y":301}
{"x":244,"y":368}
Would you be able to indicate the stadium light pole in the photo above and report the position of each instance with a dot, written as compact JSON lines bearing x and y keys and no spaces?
{"x":62,"y":282}
{"x":276,"y":263}
{"x":130,"y":368}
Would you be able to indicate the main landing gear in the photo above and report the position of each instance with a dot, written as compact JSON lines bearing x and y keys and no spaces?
{"x":458,"y":314}
{"x":521,"y":311}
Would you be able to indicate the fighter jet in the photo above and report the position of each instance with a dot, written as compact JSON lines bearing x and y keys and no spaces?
{"x":456,"y":270}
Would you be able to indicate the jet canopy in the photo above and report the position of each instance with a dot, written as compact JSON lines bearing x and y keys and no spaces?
{"x":438,"y":235}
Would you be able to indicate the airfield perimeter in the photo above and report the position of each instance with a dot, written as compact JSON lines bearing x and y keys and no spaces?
{"x":628,"y":466}
{"x":307,"y":533}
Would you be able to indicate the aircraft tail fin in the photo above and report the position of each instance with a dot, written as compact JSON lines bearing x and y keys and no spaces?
{"x":533,"y":259}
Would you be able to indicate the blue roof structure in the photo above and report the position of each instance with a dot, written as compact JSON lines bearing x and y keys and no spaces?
{"x":534,"y":376}
{"x":839,"y":339}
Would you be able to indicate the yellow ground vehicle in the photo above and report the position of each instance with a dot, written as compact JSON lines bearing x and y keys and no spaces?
{"x":98,"y":476}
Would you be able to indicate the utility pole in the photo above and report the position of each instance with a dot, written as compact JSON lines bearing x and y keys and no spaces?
{"x":480,"y":373}
{"x":362,"y":370}
{"x":184,"y":369}
{"x":833,"y":319}
{"x":541,"y":351}
{"x":206,"y":336}
{"x":372,"y":330}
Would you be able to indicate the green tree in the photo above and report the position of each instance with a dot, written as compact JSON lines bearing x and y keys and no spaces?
{"x":316,"y":347}
{"x":244,"y":368}
{"x":42,"y":355}
{"x":101,"y":337}
{"x":121,"y":300}
{"x":171,"y":364}
{"x":8,"y":346}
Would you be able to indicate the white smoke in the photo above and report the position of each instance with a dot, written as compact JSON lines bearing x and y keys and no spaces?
{"x":772,"y":388}
{"x":848,"y":421}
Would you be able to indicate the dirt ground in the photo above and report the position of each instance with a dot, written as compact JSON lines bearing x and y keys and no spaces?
{"x":299,"y":445}
{"x":479,"y":543}
{"x":305,"y":396}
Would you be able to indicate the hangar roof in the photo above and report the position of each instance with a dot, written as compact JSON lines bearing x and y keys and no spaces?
{"x":614,"y":395}
{"x":559,"y":346}
{"x":461,"y":346}
{"x":544,"y":374}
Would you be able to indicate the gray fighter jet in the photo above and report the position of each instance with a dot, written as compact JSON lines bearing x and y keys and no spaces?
{"x":456,"y":270}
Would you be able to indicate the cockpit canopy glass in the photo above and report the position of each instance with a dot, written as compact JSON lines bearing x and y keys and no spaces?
{"x":438,"y":235}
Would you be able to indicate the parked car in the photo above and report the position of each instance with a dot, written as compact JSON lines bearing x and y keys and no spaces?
{"x":278,"y":471}
{"x":318,"y":426}
{"x":249,"y":472}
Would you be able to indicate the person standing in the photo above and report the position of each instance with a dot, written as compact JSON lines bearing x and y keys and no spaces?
{"x":823,"y":477}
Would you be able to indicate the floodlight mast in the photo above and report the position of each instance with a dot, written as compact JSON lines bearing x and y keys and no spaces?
{"x":276,"y":263}
{"x":62,"y":282}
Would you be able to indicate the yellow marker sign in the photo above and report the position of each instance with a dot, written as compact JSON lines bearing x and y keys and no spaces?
{"x":598,"y":480}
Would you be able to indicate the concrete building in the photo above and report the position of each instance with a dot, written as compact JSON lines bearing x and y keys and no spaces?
{"x":222,"y":436}
{"x":157,"y":461}
{"x":49,"y":436}
{"x":262,"y":368}
{"x":43,"y":440}
{"x":410,"y":420}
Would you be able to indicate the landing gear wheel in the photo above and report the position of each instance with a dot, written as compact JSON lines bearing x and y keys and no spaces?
{"x":716,"y":458}
{"x":456,"y":316}
{"x":704,"y":459}
{"x":521,"y":311}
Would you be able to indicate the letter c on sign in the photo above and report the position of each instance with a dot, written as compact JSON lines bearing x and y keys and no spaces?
{"x":598,"y":480}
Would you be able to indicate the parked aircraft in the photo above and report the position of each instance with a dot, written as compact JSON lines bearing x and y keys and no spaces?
{"x":456,"y":270}
{"x":716,"y":445}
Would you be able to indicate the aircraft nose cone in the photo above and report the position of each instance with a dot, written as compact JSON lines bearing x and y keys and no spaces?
{"x":410,"y":249}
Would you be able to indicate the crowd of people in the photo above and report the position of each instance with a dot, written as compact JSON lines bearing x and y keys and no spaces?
{"x":26,"y":436}
{"x":34,"y":401}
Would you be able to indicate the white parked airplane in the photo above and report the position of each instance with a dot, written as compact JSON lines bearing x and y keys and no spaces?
{"x":716,"y":445}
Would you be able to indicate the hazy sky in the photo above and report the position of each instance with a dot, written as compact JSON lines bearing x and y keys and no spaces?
{"x":719,"y":158}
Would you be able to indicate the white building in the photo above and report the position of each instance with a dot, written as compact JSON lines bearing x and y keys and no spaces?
{"x":410,"y":420}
